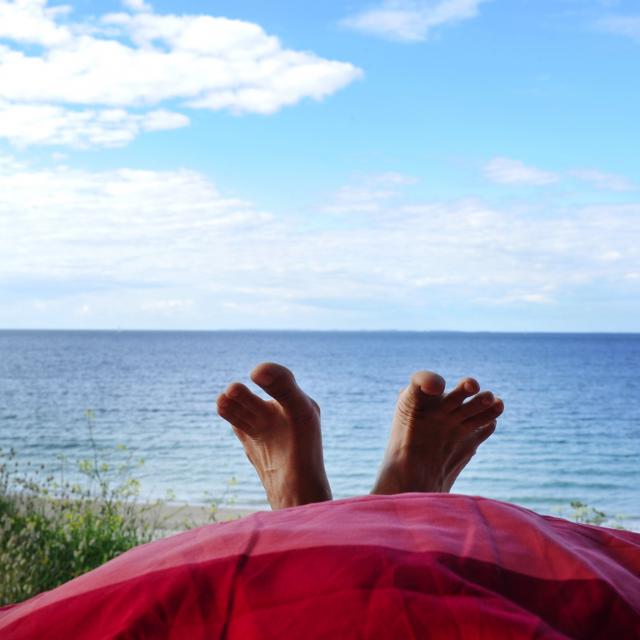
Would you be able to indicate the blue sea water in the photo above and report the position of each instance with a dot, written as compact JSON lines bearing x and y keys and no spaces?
{"x":570,"y":431}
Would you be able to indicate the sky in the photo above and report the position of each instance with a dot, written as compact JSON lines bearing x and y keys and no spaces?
{"x":269,"y":164}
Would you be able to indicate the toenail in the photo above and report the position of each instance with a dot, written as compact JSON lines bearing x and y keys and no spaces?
{"x":487,"y":401}
{"x":263,"y":379}
{"x":234,"y":392}
{"x":470,"y":387}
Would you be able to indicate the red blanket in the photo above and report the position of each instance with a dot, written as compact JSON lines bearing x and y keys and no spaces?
{"x":410,"y":566}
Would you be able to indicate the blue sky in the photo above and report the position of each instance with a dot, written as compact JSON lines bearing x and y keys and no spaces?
{"x":443,"y":164}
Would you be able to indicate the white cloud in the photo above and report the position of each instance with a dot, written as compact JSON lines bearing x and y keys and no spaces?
{"x":143,"y":59}
{"x":602,"y":180}
{"x":60,"y":223}
{"x":517,"y":296}
{"x":166,"y":306}
{"x":9,"y":164}
{"x":33,"y":22}
{"x":628,"y":25}
{"x":137,"y":5}
{"x":394,"y":177}
{"x":411,"y":20}
{"x":135,"y":246}
{"x":28,"y":124}
{"x":369,"y":194}
{"x":533,"y":298}
{"x":508,"y":171}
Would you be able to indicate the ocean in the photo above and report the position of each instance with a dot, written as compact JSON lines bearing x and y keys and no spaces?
{"x":570,"y":431}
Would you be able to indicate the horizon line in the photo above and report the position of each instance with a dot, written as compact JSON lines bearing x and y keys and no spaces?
{"x":288,"y":330}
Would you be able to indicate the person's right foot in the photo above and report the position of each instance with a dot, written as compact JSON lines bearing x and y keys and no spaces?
{"x":434,"y":435}
{"x":281,"y":437}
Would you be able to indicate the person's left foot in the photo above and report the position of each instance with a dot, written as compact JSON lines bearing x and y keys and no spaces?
{"x":281,"y":437}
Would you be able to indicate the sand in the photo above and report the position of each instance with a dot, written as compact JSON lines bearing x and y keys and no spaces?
{"x":170,"y":518}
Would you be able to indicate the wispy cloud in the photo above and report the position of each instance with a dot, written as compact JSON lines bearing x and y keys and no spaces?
{"x":137,"y":5}
{"x":509,"y":171}
{"x":68,"y":88}
{"x":369,"y":194}
{"x":622,"y":25}
{"x":27,"y":124}
{"x":605,"y":181}
{"x":411,"y":20}
{"x":166,"y":306}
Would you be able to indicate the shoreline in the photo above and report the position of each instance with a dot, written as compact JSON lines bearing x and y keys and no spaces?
{"x":165,"y":518}
{"x":174,"y":517}
{"x":171,"y":517}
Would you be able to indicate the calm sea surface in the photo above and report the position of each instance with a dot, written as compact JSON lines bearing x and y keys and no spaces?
{"x":571,"y":429}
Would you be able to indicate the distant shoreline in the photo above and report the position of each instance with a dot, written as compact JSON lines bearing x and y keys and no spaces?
{"x":438,"y":332}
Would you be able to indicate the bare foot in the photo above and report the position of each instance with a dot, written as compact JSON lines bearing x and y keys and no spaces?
{"x":434,"y":435}
{"x":281,"y":437}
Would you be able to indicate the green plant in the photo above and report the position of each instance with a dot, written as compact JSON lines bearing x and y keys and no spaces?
{"x":53,"y":530}
{"x":584,"y":514}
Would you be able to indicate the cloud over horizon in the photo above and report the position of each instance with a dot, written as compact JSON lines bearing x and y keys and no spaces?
{"x":171,"y":244}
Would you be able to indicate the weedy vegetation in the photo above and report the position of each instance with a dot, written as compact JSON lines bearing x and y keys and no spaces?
{"x":53,"y":530}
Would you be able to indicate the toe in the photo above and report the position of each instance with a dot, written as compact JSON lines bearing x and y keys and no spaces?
{"x":242,"y":395}
{"x":235,"y":413}
{"x":485,"y":417}
{"x":476,"y":405}
{"x":421,"y":395}
{"x":469,"y":447}
{"x":429,"y":383}
{"x":484,"y":432}
{"x":281,"y":385}
{"x":466,"y":388}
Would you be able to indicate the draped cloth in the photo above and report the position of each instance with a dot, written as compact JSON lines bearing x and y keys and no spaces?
{"x":408,"y":566}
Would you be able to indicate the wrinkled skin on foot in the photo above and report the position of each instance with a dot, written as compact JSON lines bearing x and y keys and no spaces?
{"x":434,"y":435}
{"x":281,"y":437}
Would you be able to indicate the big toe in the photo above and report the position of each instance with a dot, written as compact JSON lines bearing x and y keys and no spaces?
{"x":425,"y":389}
{"x":428,"y":382}
{"x":281,"y":385}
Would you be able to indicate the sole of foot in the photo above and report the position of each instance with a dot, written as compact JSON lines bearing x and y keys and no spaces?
{"x":435,"y":434}
{"x":281,"y":437}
